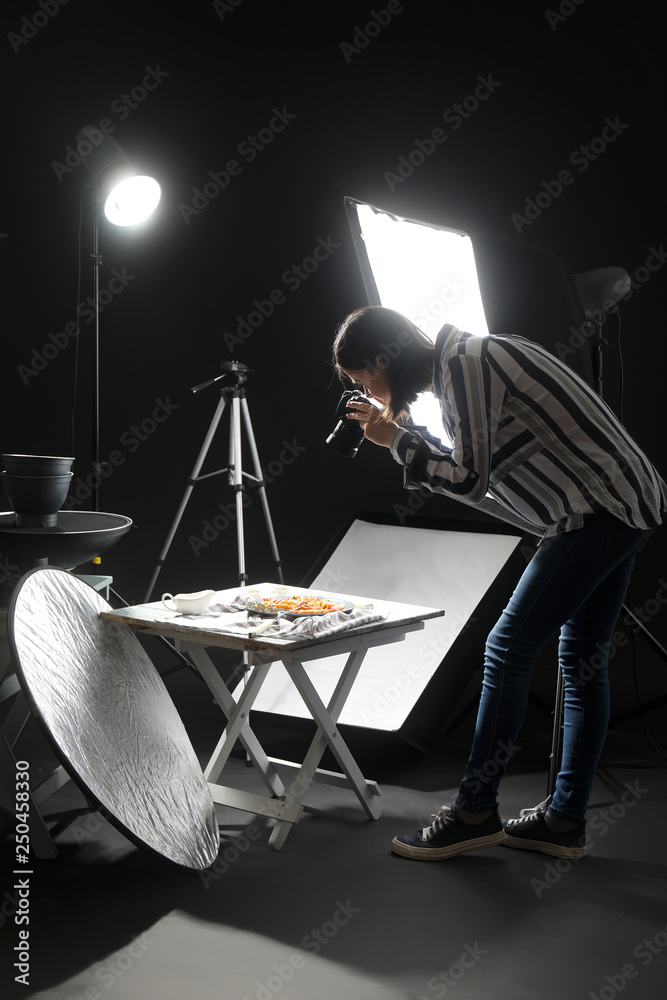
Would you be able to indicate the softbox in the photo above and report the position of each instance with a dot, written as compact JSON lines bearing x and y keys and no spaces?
{"x":435,"y":274}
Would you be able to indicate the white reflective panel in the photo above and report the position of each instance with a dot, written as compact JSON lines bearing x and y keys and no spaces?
{"x":111,"y":720}
{"x":440,"y":569}
{"x":132,"y":201}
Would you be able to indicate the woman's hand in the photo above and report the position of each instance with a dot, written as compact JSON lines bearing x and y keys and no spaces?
{"x":376,"y":426}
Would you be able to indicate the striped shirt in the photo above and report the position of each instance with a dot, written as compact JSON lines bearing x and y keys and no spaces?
{"x":528,"y":433}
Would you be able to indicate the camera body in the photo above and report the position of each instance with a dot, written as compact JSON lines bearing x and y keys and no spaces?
{"x":348,"y":434}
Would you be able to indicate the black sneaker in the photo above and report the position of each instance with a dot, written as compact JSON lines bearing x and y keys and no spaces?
{"x":531,"y":833}
{"x":448,"y":835}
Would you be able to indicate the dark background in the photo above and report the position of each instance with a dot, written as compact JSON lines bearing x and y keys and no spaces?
{"x":225,"y":69}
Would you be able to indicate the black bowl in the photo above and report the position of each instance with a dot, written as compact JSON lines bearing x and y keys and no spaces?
{"x":37,"y":465}
{"x":36,"y":499}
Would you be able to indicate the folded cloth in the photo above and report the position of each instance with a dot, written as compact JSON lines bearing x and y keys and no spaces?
{"x":325,"y":625}
{"x":235,"y":618}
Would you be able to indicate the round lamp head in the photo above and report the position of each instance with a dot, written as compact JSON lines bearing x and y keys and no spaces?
{"x":128,"y":196}
{"x":132,"y":200}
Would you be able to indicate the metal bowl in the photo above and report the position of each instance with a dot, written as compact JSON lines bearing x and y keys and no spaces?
{"x":36,"y":499}
{"x":37,"y":465}
{"x":78,"y":537}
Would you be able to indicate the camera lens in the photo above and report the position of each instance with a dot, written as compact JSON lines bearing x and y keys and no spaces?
{"x":347,"y":435}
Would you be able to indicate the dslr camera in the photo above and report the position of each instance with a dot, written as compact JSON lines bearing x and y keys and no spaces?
{"x":347,"y":435}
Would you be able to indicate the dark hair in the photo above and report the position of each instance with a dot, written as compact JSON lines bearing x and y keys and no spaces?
{"x":405,"y":353}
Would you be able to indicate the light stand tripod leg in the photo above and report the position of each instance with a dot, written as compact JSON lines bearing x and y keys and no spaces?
{"x":186,"y":496}
{"x":236,"y":477}
{"x":557,"y":736}
{"x":652,"y":641}
{"x":261,"y":487}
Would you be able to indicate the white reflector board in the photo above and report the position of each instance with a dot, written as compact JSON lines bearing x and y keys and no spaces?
{"x":435,"y":568}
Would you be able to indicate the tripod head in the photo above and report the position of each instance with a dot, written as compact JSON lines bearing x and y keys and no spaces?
{"x":235,"y":369}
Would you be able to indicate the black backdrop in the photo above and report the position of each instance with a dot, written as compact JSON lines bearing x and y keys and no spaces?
{"x":313,"y":102}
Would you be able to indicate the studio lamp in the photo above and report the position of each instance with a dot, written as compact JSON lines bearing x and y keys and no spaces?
{"x":128,"y":198}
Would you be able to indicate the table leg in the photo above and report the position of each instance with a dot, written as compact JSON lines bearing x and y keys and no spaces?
{"x":41,"y":842}
{"x":328,"y":735}
{"x":238,"y":726}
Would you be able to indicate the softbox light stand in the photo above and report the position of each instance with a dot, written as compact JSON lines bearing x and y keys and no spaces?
{"x":234,"y":394}
{"x":600,"y":291}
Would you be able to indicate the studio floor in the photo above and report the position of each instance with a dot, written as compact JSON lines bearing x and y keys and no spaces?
{"x":335,"y":914}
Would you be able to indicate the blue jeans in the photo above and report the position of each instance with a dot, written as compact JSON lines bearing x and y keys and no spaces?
{"x":577,"y":583}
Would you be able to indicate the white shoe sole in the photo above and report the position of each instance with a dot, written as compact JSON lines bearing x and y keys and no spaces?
{"x":440,"y":853}
{"x":555,"y":850}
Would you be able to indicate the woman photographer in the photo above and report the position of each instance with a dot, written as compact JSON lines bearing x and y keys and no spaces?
{"x":533,"y":444}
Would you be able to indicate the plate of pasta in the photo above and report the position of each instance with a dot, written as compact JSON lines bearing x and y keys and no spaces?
{"x":297,"y":605}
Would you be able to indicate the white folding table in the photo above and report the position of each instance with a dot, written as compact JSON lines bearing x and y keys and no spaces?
{"x":283,"y":801}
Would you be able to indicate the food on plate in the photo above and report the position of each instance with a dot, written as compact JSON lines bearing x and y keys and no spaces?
{"x":301,"y":604}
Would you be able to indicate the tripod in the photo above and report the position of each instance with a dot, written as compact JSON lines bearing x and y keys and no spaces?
{"x":234,"y":393}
